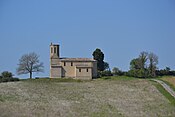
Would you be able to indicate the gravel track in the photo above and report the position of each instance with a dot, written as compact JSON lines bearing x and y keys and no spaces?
{"x":167,"y":88}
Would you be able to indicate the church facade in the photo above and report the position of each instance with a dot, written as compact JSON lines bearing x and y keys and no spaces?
{"x":78,"y":68}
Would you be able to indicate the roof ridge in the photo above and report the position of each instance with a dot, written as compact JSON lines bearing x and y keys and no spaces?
{"x":77,"y":59}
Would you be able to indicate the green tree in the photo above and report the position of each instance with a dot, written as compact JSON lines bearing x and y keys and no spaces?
{"x":29,"y":63}
{"x":140,"y":62}
{"x":167,"y":69}
{"x":135,"y":64}
{"x":117,"y":71}
{"x":153,"y":61}
{"x":106,"y":66}
{"x":6,"y":74}
{"x":99,"y":56}
{"x":139,"y":67}
{"x":143,"y":57}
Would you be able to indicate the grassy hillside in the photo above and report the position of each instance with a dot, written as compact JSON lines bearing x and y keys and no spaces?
{"x":170,"y":80}
{"x":121,"y":96}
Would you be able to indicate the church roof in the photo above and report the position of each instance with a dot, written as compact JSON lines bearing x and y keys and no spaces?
{"x":78,"y":59}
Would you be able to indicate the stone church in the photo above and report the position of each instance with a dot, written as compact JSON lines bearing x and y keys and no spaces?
{"x":78,"y":68}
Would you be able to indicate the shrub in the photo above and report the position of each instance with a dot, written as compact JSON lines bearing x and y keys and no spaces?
{"x":138,"y":73}
{"x":117,"y":72}
{"x":7,"y":74}
{"x":14,"y":79}
{"x":4,"y":80}
{"x":9,"y":79}
{"x":104,"y":73}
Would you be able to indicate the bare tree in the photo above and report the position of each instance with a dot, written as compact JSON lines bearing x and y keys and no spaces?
{"x":29,"y":63}
{"x":153,"y":61}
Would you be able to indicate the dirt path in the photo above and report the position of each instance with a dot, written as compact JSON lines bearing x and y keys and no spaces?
{"x":168,"y":88}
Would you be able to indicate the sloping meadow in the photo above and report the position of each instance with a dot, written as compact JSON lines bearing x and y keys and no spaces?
{"x":42,"y":98}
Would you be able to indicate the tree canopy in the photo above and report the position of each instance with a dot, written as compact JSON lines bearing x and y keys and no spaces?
{"x":144,"y":66}
{"x":99,"y":56}
{"x":6,"y":74}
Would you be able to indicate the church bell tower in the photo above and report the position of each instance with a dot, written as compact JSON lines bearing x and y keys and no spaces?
{"x":55,"y":68}
{"x":54,"y":51}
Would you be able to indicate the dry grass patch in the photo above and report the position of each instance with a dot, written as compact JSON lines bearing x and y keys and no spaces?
{"x":97,"y":98}
{"x":171,"y":80}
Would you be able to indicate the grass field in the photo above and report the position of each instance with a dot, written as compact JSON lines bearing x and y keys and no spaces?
{"x":169,"y":79}
{"x":106,"y":97}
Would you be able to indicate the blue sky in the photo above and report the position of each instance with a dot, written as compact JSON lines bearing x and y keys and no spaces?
{"x":120,"y":28}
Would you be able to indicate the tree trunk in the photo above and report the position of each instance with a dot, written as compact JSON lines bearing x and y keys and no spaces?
{"x":30,"y":75}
